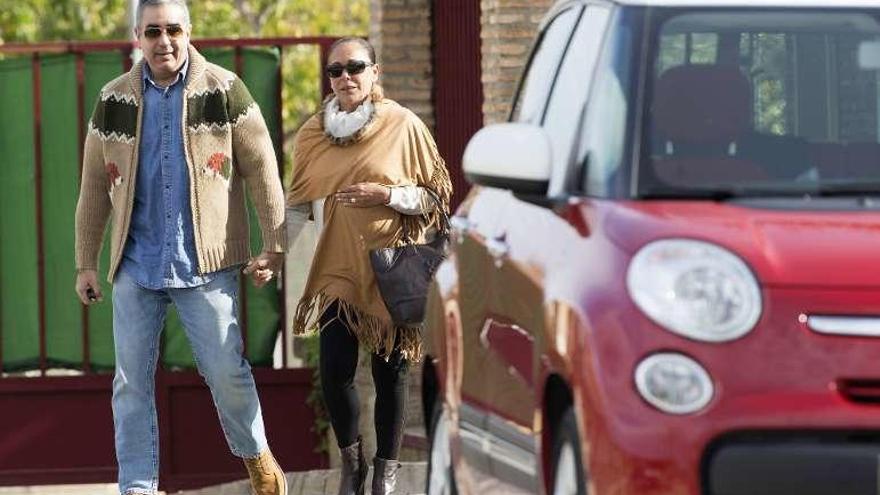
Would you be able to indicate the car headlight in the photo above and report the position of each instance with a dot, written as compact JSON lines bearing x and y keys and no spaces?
{"x":674,"y":383}
{"x":695,"y":289}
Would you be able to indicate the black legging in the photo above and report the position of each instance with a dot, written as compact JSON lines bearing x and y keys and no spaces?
{"x":339,"y":358}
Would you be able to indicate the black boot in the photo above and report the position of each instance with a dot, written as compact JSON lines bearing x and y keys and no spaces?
{"x":354,"y":469}
{"x":384,"y":475}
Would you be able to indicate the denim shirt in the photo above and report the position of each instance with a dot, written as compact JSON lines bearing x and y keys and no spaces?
{"x":160,"y":249}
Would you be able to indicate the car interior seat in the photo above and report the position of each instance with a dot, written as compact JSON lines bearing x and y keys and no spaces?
{"x":701,"y":115}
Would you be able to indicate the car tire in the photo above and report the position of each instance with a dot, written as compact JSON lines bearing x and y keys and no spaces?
{"x":568,"y":465}
{"x":440,"y":479}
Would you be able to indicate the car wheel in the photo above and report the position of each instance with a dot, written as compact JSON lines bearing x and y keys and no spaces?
{"x":440,"y":478}
{"x":568,"y":465}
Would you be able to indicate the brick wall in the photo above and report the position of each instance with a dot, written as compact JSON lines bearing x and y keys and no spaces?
{"x":401,"y":32}
{"x":509,"y":26}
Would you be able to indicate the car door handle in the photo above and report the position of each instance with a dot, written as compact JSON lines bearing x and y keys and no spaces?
{"x":498,"y":249}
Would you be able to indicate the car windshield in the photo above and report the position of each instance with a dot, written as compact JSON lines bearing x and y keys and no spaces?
{"x":763,"y":103}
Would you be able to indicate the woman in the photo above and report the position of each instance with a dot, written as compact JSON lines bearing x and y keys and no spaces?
{"x":362,"y":168}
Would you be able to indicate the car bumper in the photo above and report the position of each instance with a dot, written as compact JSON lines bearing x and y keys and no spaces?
{"x":779,"y":461}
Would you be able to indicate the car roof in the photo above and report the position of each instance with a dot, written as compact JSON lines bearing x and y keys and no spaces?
{"x":753,"y":3}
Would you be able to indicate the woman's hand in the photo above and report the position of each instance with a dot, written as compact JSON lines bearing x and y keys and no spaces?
{"x":364,"y":195}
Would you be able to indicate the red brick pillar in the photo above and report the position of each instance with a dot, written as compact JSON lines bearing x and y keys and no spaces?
{"x":401,"y":32}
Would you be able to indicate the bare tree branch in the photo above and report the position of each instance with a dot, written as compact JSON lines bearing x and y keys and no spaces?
{"x":245,"y":10}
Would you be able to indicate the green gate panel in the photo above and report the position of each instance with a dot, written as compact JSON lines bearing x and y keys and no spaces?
{"x":19,"y":296}
{"x":260,"y":74}
{"x":61,"y":168}
{"x":100,"y":68}
{"x":176,"y":352}
{"x":60,"y":150}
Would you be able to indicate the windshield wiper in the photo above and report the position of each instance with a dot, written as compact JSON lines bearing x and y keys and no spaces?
{"x":727,"y":192}
{"x":849,"y":188}
{"x":713,"y":194}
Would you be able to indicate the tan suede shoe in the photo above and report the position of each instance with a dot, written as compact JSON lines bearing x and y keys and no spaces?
{"x":267,"y":477}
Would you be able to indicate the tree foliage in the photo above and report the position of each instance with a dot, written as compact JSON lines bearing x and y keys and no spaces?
{"x":28,"y":21}
{"x":271,"y":18}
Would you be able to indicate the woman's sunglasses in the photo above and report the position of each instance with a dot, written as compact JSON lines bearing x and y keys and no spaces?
{"x":173,"y":31}
{"x":353,"y":67}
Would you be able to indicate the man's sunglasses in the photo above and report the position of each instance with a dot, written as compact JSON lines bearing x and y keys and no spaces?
{"x":173,"y":31}
{"x":353,"y":67}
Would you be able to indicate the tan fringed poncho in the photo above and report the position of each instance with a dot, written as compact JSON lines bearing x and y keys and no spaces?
{"x":394,"y":148}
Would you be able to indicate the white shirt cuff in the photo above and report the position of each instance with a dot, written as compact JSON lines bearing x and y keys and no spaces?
{"x":411,"y":200}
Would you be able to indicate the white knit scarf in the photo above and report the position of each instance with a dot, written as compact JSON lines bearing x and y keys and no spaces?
{"x":342,"y":124}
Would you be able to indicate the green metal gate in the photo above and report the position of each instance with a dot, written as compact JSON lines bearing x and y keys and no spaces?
{"x":47,"y":92}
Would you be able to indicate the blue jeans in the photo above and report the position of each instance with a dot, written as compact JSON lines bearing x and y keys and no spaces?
{"x":209,"y":314}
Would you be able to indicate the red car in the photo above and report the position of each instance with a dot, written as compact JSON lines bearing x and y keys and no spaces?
{"x":666,"y":278}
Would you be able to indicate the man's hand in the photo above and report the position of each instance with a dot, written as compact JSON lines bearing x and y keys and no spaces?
{"x":87,"y":287}
{"x":364,"y":195}
{"x":263,"y":267}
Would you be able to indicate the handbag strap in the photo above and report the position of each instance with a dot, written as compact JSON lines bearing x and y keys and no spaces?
{"x":444,"y":228}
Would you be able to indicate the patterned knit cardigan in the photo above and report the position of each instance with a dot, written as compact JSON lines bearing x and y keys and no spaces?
{"x":227,"y":147}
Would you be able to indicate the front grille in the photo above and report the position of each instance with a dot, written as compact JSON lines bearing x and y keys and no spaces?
{"x":793,"y":463}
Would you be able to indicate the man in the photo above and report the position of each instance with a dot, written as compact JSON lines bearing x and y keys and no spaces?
{"x":170,"y":147}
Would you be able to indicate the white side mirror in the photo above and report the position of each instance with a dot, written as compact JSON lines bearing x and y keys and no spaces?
{"x":509,"y":156}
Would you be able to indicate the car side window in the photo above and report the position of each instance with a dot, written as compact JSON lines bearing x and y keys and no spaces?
{"x":563,"y":118}
{"x":605,"y":131}
{"x":532,"y":99}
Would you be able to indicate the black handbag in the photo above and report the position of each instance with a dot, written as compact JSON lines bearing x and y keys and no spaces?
{"x":404,"y":273}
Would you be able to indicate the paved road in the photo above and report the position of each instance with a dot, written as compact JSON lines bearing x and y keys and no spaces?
{"x":318,"y":482}
{"x":61,"y":490}
{"x":324,"y":482}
